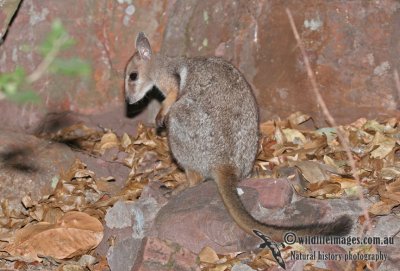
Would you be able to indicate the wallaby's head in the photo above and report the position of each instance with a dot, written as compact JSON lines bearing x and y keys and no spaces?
{"x":138,"y":79}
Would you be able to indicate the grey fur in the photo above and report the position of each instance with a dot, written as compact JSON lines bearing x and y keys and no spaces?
{"x":212,"y":121}
{"x":215,"y":120}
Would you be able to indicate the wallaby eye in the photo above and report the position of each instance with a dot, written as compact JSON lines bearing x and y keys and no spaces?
{"x":133,"y":76}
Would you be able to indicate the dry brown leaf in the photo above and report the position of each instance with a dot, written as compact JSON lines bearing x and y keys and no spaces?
{"x":294,"y":136}
{"x":208,"y":255}
{"x":312,"y":171}
{"x":75,"y":233}
{"x":359,"y":123}
{"x":220,"y":267}
{"x":279,"y":136}
{"x":298,"y":118}
{"x":383,"y":207}
{"x":385,"y":146}
{"x":390,"y":191}
{"x":70,"y":267}
{"x":324,"y":189}
{"x":125,"y":141}
{"x":267,"y":128}
{"x":345,"y":183}
{"x":108,"y":141}
{"x":390,"y":172}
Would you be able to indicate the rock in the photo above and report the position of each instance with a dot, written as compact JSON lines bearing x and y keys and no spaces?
{"x":241,"y":267}
{"x":161,"y":255}
{"x":291,"y":265}
{"x":7,"y":11}
{"x":122,"y":255}
{"x":197,"y":218}
{"x":330,"y":250}
{"x":30,"y":166}
{"x":105,"y":166}
{"x":272,"y":193}
{"x":111,"y":162}
{"x":393,"y":252}
{"x":337,"y":37}
{"x":385,"y":226}
{"x":127,"y":223}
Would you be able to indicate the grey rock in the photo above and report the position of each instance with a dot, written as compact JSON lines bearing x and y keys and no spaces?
{"x":127,"y":223}
{"x":241,"y":267}
{"x":156,"y":254}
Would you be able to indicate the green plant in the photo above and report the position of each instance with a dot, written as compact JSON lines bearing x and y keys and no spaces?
{"x":16,"y":85}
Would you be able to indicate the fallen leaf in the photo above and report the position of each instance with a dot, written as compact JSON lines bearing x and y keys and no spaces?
{"x":75,"y":233}
{"x":383,"y":207}
{"x":324,"y":189}
{"x":330,"y":133}
{"x":298,"y":118}
{"x":108,"y":141}
{"x":208,"y":255}
{"x":312,"y":171}
{"x":390,"y":172}
{"x":267,"y":128}
{"x":345,"y":183}
{"x":385,"y":146}
{"x":125,"y":141}
{"x":294,"y":136}
{"x":374,"y":126}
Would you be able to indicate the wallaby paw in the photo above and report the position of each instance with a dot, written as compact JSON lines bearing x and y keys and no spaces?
{"x":160,"y":121}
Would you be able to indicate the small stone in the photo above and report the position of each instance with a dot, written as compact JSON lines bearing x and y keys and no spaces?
{"x":119,"y":216}
{"x":242,"y":267}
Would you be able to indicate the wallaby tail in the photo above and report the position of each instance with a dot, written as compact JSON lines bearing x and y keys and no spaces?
{"x":227,"y":180}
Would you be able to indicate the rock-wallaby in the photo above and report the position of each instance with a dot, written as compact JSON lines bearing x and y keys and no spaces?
{"x":212,"y":125}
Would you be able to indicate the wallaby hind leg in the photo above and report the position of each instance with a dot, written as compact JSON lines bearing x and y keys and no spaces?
{"x":193,"y":179}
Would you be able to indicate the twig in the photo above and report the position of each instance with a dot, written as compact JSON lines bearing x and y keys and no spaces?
{"x":331,"y":120}
{"x":46,"y":62}
{"x":397,"y":82}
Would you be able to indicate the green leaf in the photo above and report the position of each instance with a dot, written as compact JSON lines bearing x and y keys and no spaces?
{"x":72,"y":67}
{"x":57,"y":33}
{"x":10,"y":82}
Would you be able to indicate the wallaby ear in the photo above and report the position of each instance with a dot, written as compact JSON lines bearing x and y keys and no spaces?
{"x":143,"y":46}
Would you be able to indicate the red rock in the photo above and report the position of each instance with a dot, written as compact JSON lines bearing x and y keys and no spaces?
{"x":352,"y":47}
{"x":332,"y":251}
{"x":197,"y":218}
{"x":272,"y":193}
{"x":7,"y":11}
{"x":156,"y":254}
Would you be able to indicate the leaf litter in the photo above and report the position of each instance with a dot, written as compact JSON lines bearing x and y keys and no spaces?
{"x":316,"y":155}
